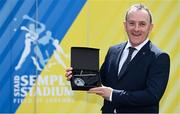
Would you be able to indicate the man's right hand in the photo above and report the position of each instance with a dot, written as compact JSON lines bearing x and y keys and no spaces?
{"x":69,"y":73}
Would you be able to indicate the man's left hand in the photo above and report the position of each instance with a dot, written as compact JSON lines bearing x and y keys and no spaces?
{"x":103,"y":91}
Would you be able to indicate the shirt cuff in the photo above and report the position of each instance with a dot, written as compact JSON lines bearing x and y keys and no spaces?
{"x":110,"y":97}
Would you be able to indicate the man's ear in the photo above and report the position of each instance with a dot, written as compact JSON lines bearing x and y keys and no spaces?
{"x":151,"y":27}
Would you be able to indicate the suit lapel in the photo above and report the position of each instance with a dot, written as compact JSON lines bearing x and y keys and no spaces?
{"x":118,"y":58}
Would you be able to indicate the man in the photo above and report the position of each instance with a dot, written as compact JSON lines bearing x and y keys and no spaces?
{"x":135,"y":73}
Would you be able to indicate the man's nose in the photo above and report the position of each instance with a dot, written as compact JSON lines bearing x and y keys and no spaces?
{"x":136,"y":27}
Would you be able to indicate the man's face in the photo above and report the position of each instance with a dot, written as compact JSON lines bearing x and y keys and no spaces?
{"x":137,"y":26}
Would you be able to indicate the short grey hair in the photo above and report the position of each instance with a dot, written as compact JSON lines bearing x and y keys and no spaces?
{"x":139,"y":7}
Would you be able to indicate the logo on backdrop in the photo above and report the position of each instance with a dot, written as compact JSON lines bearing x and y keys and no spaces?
{"x":32,"y":37}
{"x":36,"y":37}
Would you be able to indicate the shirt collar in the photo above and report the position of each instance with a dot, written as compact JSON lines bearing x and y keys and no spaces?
{"x":137,"y":47}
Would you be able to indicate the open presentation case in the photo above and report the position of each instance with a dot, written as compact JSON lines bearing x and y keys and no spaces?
{"x":85,"y":64}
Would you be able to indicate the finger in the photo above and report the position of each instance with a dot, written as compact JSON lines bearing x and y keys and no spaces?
{"x":68,"y":73}
{"x":69,"y":69}
{"x":96,"y":89}
{"x":69,"y":77}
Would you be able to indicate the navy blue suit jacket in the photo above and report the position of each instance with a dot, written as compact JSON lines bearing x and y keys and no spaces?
{"x":143,"y":83}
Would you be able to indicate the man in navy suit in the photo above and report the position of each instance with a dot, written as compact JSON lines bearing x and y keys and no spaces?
{"x":135,"y":73}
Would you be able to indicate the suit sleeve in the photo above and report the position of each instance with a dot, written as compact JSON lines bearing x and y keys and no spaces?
{"x":103,"y":70}
{"x":155,"y":86}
